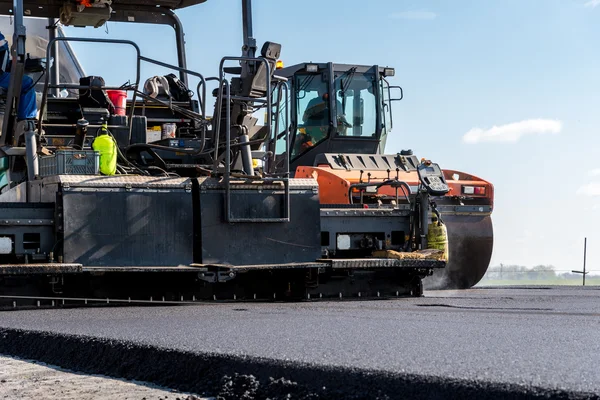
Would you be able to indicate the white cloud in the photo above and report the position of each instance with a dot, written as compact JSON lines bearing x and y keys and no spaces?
{"x":424,"y":15}
{"x":592,"y":3}
{"x":594,"y":172}
{"x":592,"y":189}
{"x":513,"y":132}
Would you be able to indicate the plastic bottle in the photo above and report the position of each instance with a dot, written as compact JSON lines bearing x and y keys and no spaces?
{"x":106,"y":145}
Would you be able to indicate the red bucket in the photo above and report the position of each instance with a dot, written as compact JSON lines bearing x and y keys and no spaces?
{"x":119,"y":100}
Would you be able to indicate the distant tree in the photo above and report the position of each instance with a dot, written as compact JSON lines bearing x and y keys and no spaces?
{"x":543,"y":268}
{"x":519,"y":272}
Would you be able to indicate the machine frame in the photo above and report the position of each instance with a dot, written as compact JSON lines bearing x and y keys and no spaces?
{"x":219,"y":228}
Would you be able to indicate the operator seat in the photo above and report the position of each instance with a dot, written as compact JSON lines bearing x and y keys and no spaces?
{"x":257,"y":86}
{"x":252,"y":85}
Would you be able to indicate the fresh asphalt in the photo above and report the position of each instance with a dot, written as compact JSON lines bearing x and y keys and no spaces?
{"x":544,"y":338}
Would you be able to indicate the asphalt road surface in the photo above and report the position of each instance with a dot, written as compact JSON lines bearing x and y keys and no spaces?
{"x":531,"y":337}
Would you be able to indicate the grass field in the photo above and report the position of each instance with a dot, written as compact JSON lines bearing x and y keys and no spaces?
{"x":589,"y":281}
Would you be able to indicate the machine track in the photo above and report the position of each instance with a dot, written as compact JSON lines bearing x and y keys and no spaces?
{"x":66,"y":285}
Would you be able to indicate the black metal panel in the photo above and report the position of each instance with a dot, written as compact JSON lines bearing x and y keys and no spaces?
{"x":251,"y":204}
{"x":345,"y":145}
{"x":135,"y":227}
{"x":20,"y":220}
{"x":259,"y":243}
{"x":291,"y":70}
{"x":360,"y":222}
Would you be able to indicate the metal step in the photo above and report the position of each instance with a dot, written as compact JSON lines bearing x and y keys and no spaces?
{"x":355,"y":263}
{"x":35,"y":269}
{"x":178,"y":268}
{"x":367,"y":263}
{"x":262,"y":267}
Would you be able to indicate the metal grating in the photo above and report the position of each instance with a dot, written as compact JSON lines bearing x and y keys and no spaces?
{"x":120,"y":181}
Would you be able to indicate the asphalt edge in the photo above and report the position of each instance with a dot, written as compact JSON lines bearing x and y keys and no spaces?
{"x":233,"y":377}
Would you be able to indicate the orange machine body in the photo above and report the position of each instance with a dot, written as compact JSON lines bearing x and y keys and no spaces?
{"x":334,"y":184}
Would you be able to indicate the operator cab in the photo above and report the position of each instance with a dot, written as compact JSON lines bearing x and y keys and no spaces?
{"x":337,"y":108}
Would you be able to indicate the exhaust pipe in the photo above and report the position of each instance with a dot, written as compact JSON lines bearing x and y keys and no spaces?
{"x":33,"y":167}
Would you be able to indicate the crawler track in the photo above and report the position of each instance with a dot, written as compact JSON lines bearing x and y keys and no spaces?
{"x":189,"y":286}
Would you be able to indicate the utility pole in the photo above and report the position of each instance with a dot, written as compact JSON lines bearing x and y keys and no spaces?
{"x":584,"y":273}
{"x":584,"y":257}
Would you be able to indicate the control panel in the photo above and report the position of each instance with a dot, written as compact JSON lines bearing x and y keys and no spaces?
{"x":432,"y":178}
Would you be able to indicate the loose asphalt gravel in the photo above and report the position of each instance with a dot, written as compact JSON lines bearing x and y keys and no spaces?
{"x":22,"y":379}
{"x":489,"y":342}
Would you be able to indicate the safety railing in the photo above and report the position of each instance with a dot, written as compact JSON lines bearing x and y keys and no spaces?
{"x":201,"y":83}
{"x":134,"y":87}
{"x":270,"y":176}
{"x":50,"y":53}
{"x":224,"y":93}
{"x":281,"y":86}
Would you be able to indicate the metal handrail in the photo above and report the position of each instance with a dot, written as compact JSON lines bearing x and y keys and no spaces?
{"x":225,"y":86}
{"x":268,"y":91}
{"x":201,"y":98}
{"x":273,"y":142}
{"x":50,"y":51}
{"x":134,"y":88}
{"x":287,"y":201}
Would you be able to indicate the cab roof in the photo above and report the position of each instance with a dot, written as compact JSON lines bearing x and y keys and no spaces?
{"x":149,"y":11}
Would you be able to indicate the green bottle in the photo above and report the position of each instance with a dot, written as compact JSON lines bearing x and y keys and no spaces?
{"x":106,"y":145}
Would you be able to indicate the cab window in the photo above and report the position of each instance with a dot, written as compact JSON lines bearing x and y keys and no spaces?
{"x":312,"y":107}
{"x":356,"y":104}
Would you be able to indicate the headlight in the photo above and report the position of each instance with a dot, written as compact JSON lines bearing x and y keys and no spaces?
{"x":312,"y":68}
{"x":389,"y":72}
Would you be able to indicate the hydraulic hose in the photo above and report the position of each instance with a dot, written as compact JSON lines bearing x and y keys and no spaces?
{"x":391,"y":182}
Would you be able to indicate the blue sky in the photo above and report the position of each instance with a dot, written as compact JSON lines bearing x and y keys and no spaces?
{"x":506,"y":90}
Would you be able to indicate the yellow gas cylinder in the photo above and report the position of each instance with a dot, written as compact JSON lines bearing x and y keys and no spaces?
{"x":106,"y":145}
{"x":437,"y":236}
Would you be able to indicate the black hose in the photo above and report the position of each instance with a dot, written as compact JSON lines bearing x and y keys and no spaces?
{"x":190,"y":114}
{"x":120,"y":154}
{"x":164,"y":148}
{"x":437,"y":213}
{"x":186,"y":151}
{"x":166,"y":173}
{"x":390,"y":182}
{"x":36,"y":82}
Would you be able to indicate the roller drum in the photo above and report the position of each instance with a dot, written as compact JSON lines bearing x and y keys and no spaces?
{"x":471,"y":240}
